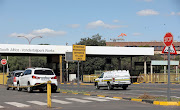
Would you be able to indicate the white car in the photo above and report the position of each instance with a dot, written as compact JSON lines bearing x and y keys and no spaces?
{"x":111,"y":79}
{"x":34,"y":77}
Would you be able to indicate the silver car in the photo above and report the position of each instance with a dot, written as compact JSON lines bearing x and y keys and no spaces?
{"x":13,"y":78}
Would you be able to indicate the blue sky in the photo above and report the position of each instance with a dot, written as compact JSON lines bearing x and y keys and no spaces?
{"x":61,"y":21}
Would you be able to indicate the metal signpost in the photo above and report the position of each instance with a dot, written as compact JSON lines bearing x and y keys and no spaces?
{"x":168,"y":40}
{"x":3,"y":62}
{"x":79,"y":54}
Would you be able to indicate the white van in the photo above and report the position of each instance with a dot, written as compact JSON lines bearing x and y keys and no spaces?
{"x":111,"y":79}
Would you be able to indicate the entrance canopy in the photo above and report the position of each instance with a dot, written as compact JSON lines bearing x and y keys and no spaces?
{"x":11,"y":49}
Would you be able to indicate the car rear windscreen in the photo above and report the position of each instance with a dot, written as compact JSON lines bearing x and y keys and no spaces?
{"x":43,"y":72}
{"x":18,"y":74}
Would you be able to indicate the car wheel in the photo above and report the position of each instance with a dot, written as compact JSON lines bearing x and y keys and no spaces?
{"x":18,"y":87}
{"x":53,"y":90}
{"x":7,"y":88}
{"x":41,"y":90}
{"x":97,"y":86}
{"x":29,"y":89}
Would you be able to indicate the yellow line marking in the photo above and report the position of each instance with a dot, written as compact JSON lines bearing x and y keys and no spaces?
{"x":87,"y":94}
{"x":138,"y":100}
{"x":100,"y":95}
{"x":169,"y":103}
{"x":156,"y":102}
{"x":62,"y":83}
{"x":74,"y":93}
{"x":68,"y":83}
{"x":64,"y":92}
{"x":117,"y":97}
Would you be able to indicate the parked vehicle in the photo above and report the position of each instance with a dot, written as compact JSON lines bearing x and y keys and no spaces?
{"x":13,"y":78}
{"x":111,"y":79}
{"x":33,"y":78}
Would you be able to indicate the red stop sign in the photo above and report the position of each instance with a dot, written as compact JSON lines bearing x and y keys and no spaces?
{"x":3,"y":61}
{"x":168,"y":39}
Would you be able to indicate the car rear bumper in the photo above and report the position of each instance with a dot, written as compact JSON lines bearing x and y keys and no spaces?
{"x":44,"y":86}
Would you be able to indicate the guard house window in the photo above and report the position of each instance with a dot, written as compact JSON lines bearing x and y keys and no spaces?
{"x":155,"y":47}
{"x":159,"y":47}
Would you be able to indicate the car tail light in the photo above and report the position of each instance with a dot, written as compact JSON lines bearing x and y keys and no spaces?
{"x":14,"y":80}
{"x":113,"y":79}
{"x":35,"y":77}
{"x":54,"y":77}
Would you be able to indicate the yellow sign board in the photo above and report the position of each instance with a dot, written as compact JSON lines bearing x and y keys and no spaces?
{"x":79,"y":52}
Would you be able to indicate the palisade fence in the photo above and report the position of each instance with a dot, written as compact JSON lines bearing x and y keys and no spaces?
{"x":5,"y":78}
{"x":159,"y":78}
{"x":92,"y":77}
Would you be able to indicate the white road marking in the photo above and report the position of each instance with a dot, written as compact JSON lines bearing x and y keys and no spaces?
{"x":1,"y":106}
{"x":17,"y":104}
{"x":78,"y":100}
{"x":95,"y":99}
{"x":37,"y":102}
{"x":108,"y":98}
{"x":60,"y":101}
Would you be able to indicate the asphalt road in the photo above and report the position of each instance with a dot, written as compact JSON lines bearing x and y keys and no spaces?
{"x":15,"y":100}
{"x":133,"y":90}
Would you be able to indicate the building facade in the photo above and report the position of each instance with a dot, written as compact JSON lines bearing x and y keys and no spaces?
{"x":158,"y":46}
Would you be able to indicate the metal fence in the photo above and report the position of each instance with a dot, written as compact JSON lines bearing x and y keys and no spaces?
{"x":159,"y":78}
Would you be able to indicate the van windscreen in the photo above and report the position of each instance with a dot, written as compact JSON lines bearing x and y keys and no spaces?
{"x":43,"y":72}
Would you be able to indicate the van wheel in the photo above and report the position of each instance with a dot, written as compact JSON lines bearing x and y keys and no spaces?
{"x":124,"y":88}
{"x":29,"y":89}
{"x":18,"y":87}
{"x":110,"y":87}
{"x":97,"y":86}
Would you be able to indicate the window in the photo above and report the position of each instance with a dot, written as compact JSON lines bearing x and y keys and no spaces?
{"x":43,"y":72}
{"x":101,"y":75}
{"x":27,"y":72}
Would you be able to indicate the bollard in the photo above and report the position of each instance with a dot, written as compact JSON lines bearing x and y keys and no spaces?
{"x":49,"y":94}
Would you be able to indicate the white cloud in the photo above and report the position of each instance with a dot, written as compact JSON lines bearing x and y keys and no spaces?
{"x":115,"y":21}
{"x":100,"y":23}
{"x":147,"y":12}
{"x":40,"y":32}
{"x":172,"y":13}
{"x":136,"y":34}
{"x":74,"y":25}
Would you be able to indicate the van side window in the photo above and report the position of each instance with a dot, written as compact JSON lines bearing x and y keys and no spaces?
{"x":101,"y":75}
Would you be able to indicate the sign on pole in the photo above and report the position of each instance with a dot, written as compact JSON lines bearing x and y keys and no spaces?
{"x":3,"y":61}
{"x":79,"y":52}
{"x":172,"y":49}
{"x":168,"y":39}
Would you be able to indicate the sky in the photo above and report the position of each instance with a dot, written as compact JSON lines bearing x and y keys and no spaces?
{"x":67,"y":21}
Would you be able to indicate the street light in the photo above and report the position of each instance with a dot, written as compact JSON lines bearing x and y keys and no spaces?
{"x":29,"y":40}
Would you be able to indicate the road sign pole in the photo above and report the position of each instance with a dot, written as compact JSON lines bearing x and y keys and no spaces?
{"x":168,"y":90}
{"x":78,"y":73}
{"x":3,"y":74}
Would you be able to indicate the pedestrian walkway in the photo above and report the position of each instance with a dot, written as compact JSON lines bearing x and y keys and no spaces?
{"x":64,"y":101}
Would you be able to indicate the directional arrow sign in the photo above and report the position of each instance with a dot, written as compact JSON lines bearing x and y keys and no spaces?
{"x":172,"y":49}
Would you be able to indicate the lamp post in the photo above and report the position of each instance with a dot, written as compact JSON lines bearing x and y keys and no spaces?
{"x":29,"y":40}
